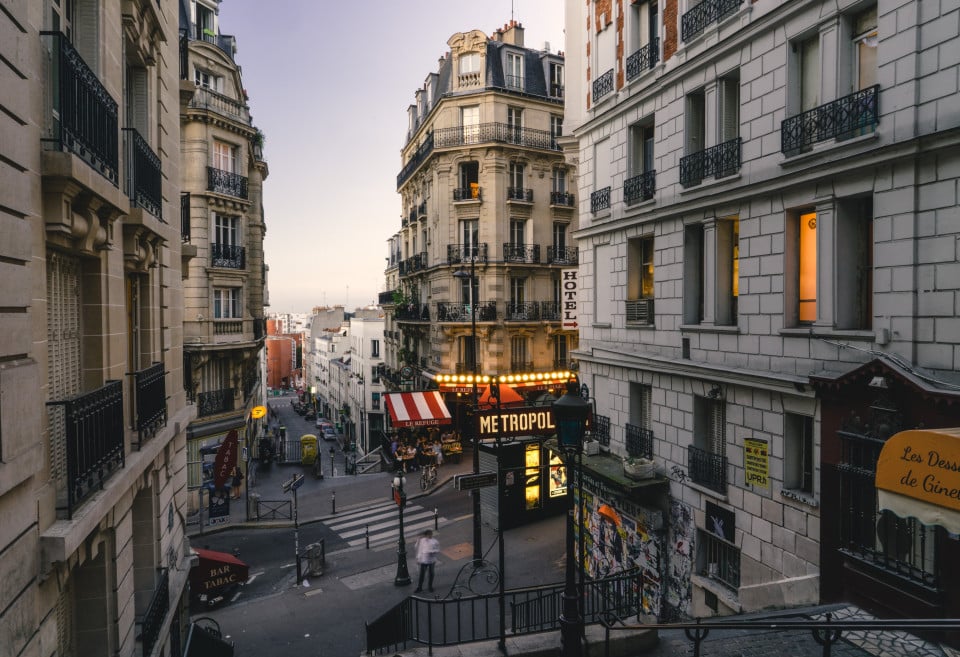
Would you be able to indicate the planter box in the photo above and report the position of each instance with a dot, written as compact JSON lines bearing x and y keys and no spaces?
{"x":640,"y":469}
{"x":591,"y":448}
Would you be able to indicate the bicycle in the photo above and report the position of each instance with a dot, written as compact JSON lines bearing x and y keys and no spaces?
{"x":428,"y":476}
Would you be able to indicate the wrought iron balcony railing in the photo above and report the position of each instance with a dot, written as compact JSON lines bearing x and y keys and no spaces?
{"x":224,"y":182}
{"x":514,"y":81}
{"x":503,"y":133}
{"x":600,"y":429}
{"x":522,"y":311}
{"x":695,"y":21}
{"x":83,"y":114}
{"x":563,"y":199}
{"x":460,"y":253}
{"x":707,"y":469}
{"x":519,"y":194}
{"x":602,"y":85}
{"x":460,"y":312}
{"x":562,"y":255}
{"x":228,"y":256}
{"x":522,"y":253}
{"x":472,"y":193}
{"x":215,"y":401}
{"x":717,"y":161}
{"x":550,"y":311}
{"x":413,"y":264}
{"x":185,"y":217}
{"x":644,"y":59}
{"x":150,"y":388}
{"x":639,"y":441}
{"x":143,"y":177}
{"x":213,"y":101}
{"x":412,"y":312}
{"x":385,"y":298}
{"x":850,"y":116}
{"x":419,"y":157}
{"x":93,"y":425}
{"x":640,"y":188}
{"x":153,"y":616}
{"x":600,"y":200}
{"x":259,"y":328}
{"x":422,"y":210}
{"x":556,"y":91}
{"x":640,"y":311}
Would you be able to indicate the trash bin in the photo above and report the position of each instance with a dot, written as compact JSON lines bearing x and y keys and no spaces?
{"x":308,"y":449}
{"x":253,"y":505}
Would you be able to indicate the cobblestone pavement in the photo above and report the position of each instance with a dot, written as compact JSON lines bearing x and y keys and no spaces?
{"x":889,"y":644}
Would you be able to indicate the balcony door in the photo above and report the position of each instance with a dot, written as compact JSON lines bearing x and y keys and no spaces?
{"x":224,"y":157}
{"x":469,"y":236}
{"x":226,"y":230}
{"x":470,"y":124}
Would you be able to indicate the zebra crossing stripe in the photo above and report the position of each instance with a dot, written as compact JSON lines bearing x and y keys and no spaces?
{"x":388,"y":536}
{"x":388,"y":523}
{"x":381,"y":523}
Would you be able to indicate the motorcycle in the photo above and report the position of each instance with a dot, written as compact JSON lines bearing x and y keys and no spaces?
{"x":267,"y":450}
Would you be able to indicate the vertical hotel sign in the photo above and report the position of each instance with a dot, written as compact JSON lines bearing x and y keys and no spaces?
{"x":568,"y":302}
{"x":756,"y":462}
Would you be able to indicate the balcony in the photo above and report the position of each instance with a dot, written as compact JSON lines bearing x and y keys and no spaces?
{"x":185,"y":217}
{"x":640,"y":188}
{"x":419,"y":157}
{"x":600,"y":429}
{"x":600,"y":200}
{"x":521,"y":365}
{"x":639,"y":441}
{"x":556,"y":91}
{"x":228,"y":326}
{"x":413,"y":264}
{"x":717,"y":161}
{"x":527,"y":254}
{"x":150,"y":389}
{"x":218,"y":103}
{"x":93,"y":437}
{"x":850,"y":116}
{"x":522,"y":311}
{"x":228,"y":256}
{"x":562,"y":255}
{"x":695,"y":21}
{"x":471,"y":193}
{"x":412,"y":312}
{"x":215,"y":401}
{"x":550,"y":311}
{"x":602,"y":86}
{"x":385,"y":298}
{"x":644,"y":59}
{"x":707,"y":469}
{"x":461,"y":312}
{"x":502,"y":133}
{"x":639,"y":311}
{"x":83,"y":114}
{"x":184,"y":55}
{"x":460,"y":253}
{"x":422,"y":210}
{"x":562,"y":199}
{"x":156,"y":612}
{"x":225,"y":182}
{"x":143,"y":173}
{"x":259,"y":328}
{"x":520,"y":194}
{"x":515,"y":82}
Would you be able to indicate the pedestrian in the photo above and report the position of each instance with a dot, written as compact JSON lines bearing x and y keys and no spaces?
{"x":427,"y":549}
{"x":237,"y":479}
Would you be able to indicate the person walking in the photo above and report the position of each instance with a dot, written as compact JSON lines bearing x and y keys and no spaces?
{"x":427,"y":549}
{"x":237,"y":479}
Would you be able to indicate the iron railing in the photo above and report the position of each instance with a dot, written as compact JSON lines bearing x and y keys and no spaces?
{"x":523,"y":253}
{"x":850,"y":116}
{"x":150,"y":386}
{"x":644,"y":59}
{"x":550,"y":311}
{"x":472,"y":193}
{"x":695,"y":21}
{"x":460,"y":253}
{"x":422,"y":209}
{"x":143,"y":173}
{"x":640,"y":187}
{"x":259,"y":328}
{"x":718,"y":161}
{"x":640,"y":311}
{"x":639,"y":441}
{"x":225,"y":182}
{"x":94,"y":440}
{"x":707,"y":469}
{"x":523,"y":311}
{"x":503,"y":133}
{"x":419,"y":157}
{"x":385,"y":298}
{"x":563,"y":199}
{"x":413,"y":264}
{"x":514,"y":81}
{"x":520,"y":194}
{"x":412,"y":312}
{"x":84,"y":114}
{"x":562,"y":255}
{"x":600,"y":200}
{"x":185,"y":217}
{"x":460,"y":312}
{"x":603,"y":85}
{"x":228,"y":256}
{"x":600,"y":429}
{"x":215,"y":401}
{"x":213,"y":101}
{"x":155,"y":613}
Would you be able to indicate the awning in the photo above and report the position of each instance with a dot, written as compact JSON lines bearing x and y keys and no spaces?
{"x":215,"y":571}
{"x":203,"y":642}
{"x":918,"y":476}
{"x":417,"y":409}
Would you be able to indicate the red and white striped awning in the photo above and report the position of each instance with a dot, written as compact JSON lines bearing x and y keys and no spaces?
{"x":417,"y":409}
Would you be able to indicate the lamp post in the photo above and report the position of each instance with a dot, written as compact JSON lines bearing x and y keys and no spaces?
{"x":403,"y":575}
{"x":570,"y":414}
{"x":472,"y":276}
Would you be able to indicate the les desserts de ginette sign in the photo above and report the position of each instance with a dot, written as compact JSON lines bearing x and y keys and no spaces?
{"x":924,"y":465}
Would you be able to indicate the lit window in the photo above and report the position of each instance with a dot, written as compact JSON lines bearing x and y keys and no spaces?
{"x":808,"y":267}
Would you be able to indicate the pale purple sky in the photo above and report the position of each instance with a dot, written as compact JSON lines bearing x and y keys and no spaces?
{"x":329,"y":85}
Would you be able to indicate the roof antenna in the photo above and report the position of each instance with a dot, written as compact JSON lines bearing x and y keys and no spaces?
{"x":511,"y":11}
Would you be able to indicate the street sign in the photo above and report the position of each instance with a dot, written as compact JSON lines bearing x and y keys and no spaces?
{"x":473,"y":481}
{"x":292,"y":484}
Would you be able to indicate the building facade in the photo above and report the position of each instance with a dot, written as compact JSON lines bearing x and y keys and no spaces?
{"x":93,"y":414}
{"x":365,"y":418}
{"x":769,"y":286}
{"x":222,"y":227}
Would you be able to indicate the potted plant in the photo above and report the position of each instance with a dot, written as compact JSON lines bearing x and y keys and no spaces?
{"x":638,"y":468}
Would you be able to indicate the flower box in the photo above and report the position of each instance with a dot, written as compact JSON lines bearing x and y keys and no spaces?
{"x":638,"y":469}
{"x":591,"y":448}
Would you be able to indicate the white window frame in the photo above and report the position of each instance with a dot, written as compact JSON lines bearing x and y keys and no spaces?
{"x":226,"y":303}
{"x":514,"y":70}
{"x":224,"y":156}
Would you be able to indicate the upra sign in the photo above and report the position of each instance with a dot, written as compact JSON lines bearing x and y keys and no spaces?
{"x":536,"y":421}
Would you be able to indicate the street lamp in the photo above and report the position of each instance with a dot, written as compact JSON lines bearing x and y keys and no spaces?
{"x":472,"y":276}
{"x":570,"y":414}
{"x":400,"y":497}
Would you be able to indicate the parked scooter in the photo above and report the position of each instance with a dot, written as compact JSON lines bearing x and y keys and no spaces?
{"x":267,"y":450}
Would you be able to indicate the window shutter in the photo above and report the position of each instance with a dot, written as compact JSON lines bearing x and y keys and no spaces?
{"x":810,"y":74}
{"x":694,"y":124}
{"x":729,"y":109}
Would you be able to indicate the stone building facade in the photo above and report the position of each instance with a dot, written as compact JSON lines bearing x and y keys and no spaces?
{"x":769,"y":283}
{"x":93,"y":415}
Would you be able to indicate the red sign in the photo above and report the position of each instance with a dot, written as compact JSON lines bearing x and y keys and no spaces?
{"x":226,"y":459}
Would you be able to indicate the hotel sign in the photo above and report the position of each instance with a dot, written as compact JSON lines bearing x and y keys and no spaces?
{"x":527,"y":421}
{"x":568,"y":303}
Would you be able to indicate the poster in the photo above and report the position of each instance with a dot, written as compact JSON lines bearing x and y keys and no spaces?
{"x":756,"y":462}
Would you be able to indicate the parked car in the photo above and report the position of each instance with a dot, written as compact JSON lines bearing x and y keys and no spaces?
{"x":321,"y":421}
{"x":329,"y":433}
{"x":310,"y":414}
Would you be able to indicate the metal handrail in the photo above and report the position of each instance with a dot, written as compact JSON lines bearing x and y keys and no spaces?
{"x":151,"y":401}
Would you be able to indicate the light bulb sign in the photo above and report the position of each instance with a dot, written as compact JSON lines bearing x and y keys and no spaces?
{"x":508,"y":422}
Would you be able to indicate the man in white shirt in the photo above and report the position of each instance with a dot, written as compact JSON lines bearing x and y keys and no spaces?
{"x":427,"y":549}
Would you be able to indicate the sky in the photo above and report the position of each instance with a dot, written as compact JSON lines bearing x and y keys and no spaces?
{"x":329,"y":85}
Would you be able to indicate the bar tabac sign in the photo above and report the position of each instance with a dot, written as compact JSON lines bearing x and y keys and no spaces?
{"x":924,"y":465}
{"x":529,"y":421}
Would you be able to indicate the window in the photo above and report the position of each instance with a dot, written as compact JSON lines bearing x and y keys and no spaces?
{"x":206,"y":29}
{"x":693,"y":275}
{"x":807,"y":270}
{"x":375,"y":401}
{"x":706,"y":457}
{"x":518,"y":353}
{"x":559,"y":181}
{"x":518,"y":285}
{"x":561,"y":347}
{"x":560,"y":237}
{"x":641,"y":147}
{"x":224,"y":156}
{"x":468,"y":236}
{"x":469,"y":63}
{"x":468,"y":353}
{"x":515,"y":181}
{"x":208,"y":80}
{"x":808,"y":55}
{"x":728,"y":125}
{"x":865,"y":41}
{"x":641,"y":405}
{"x":469,"y":182}
{"x":727,"y":277}
{"x":695,"y":123}
{"x":640,"y":292}
{"x":469,"y":293}
{"x":374,"y":349}
{"x":514,"y":73}
{"x":854,"y":269}
{"x":718,"y":559}
{"x":556,"y":80}
{"x":470,"y":124}
{"x":643,"y":38}
{"x":226,"y":303}
{"x":518,"y":231}
{"x":515,"y":125}
{"x":556,"y":130}
{"x":798,"y":463}
{"x":226,"y":230}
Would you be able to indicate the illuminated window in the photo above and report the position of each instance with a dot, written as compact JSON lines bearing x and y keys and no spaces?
{"x":807,"y":270}
{"x":640,"y":291}
{"x":727,"y":271}
{"x":532,"y":476}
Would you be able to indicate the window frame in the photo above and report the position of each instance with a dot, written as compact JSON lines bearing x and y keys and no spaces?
{"x":514,"y":70}
{"x":799,"y":462}
{"x":227,"y":299}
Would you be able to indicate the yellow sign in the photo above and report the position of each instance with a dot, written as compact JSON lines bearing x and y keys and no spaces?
{"x":258,"y":412}
{"x":756,"y":462}
{"x":924,"y":465}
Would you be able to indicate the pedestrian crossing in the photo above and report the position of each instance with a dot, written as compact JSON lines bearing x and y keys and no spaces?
{"x":382,"y":523}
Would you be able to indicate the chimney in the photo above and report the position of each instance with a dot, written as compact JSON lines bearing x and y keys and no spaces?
{"x":513,"y":33}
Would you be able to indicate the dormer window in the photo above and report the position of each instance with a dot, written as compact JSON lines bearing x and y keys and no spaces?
{"x":469,"y":69}
{"x":556,"y":80}
{"x":206,"y":22}
{"x":514,"y":72}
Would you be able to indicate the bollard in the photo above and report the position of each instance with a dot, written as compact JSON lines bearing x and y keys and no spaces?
{"x":366,"y":535}
{"x":333,"y":502}
{"x":436,"y":518}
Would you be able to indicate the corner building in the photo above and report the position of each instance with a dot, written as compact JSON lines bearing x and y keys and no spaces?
{"x":93,"y":416}
{"x":769,"y":285}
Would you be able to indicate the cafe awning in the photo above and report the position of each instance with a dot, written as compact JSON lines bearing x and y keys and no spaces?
{"x":417,"y":409}
{"x":216,"y":570}
{"x":918,"y":476}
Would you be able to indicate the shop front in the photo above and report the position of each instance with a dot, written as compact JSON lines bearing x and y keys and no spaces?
{"x":533,"y":479}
